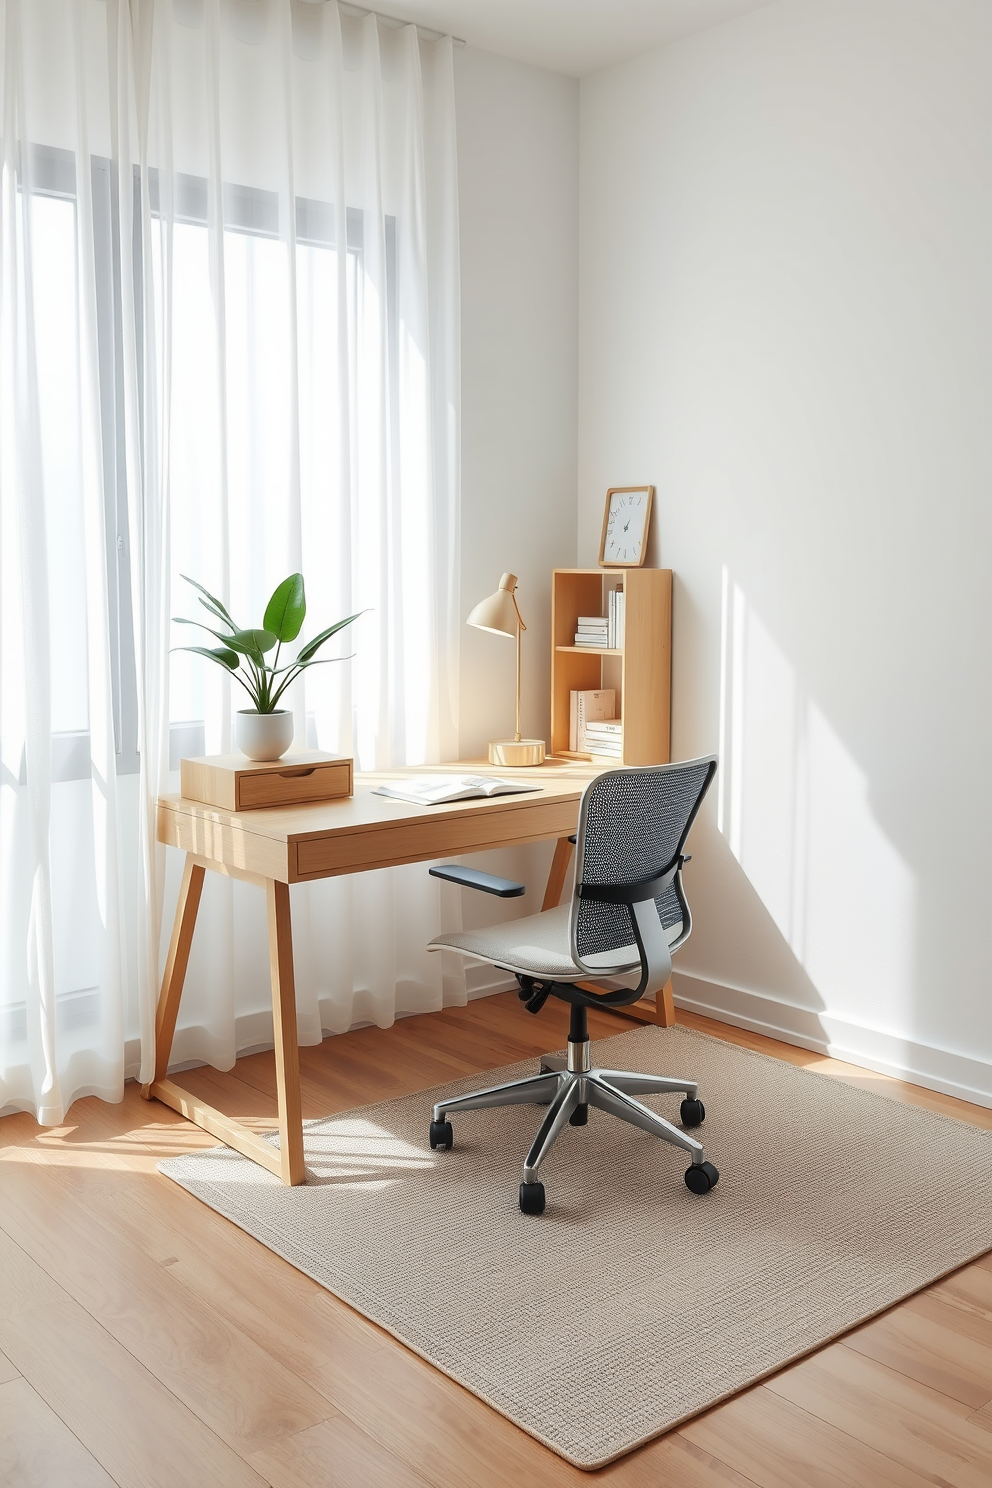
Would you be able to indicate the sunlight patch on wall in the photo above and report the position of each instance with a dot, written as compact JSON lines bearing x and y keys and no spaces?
{"x":795,"y":809}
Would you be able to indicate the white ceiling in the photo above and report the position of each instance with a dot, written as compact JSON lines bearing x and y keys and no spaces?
{"x":570,"y":36}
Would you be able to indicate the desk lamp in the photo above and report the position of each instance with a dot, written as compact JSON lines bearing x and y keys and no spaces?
{"x":500,"y":615}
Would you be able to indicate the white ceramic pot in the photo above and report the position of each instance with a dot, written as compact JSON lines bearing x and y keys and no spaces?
{"x":263,"y":736}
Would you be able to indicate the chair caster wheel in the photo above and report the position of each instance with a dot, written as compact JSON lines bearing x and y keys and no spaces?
{"x":580,"y":1116}
{"x":701,"y":1177}
{"x":441,"y":1135}
{"x":532,"y":1198}
{"x":693,"y":1113}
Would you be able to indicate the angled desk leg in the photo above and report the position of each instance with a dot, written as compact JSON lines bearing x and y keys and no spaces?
{"x":175,"y":967}
{"x":287,"y":1163}
{"x":559,"y":870}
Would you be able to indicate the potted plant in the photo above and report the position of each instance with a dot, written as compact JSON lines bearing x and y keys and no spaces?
{"x":264,"y":731}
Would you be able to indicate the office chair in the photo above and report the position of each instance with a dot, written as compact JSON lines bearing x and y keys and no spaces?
{"x":627,"y":914}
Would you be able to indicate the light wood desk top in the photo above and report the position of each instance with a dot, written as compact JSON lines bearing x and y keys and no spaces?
{"x":296,"y":844}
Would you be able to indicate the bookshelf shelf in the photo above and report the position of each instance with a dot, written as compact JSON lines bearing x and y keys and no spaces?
{"x":590,"y":650}
{"x":639,"y":671}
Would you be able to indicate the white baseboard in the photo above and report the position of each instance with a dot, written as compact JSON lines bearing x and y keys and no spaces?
{"x":253,"y":1031}
{"x":920,"y":1064}
{"x":486,"y":981}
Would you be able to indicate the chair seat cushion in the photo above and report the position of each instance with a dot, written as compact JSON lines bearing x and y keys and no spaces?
{"x":536,"y":946}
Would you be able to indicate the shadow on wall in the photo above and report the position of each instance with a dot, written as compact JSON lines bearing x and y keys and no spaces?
{"x":816,"y":908}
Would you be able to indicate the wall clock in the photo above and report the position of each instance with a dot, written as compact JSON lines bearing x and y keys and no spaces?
{"x":626,"y":523}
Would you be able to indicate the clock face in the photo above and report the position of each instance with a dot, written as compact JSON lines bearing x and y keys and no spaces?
{"x":625,"y":527}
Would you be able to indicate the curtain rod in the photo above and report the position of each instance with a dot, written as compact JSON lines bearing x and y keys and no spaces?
{"x":427,"y":32}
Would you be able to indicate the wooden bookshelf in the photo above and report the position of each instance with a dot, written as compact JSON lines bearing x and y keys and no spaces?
{"x":640,"y":671}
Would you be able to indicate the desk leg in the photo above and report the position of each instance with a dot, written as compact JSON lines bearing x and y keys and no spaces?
{"x":175,"y":968}
{"x":284,"y":1031}
{"x":559,"y":869}
{"x":287,"y":1163}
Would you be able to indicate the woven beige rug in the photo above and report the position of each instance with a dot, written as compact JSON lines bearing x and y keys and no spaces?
{"x":630,"y":1304}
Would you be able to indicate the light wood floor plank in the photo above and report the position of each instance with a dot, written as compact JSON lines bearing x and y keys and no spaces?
{"x":333,"y":1454}
{"x":130,"y":1423}
{"x":235,"y":1387}
{"x":779,"y":1445}
{"x":670,"y":1462}
{"x":7,"y":1370}
{"x":968,"y":1290}
{"x":37,"y":1450}
{"x":930,"y":1342}
{"x":920,"y":1428}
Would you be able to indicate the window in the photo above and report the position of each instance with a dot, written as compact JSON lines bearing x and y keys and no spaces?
{"x":260,"y":359}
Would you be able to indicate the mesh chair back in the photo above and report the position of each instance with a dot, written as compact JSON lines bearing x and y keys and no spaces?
{"x":632,"y":826}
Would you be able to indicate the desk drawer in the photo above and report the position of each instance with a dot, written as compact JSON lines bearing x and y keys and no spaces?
{"x":417,"y":841}
{"x":235,"y":783}
{"x":294,"y":785}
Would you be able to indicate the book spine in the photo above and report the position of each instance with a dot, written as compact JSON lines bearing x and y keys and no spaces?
{"x":573,"y":721}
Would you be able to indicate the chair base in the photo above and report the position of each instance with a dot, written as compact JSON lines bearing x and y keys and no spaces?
{"x":568,"y":1086}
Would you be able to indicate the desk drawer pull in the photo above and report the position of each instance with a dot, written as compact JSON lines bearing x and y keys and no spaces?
{"x":296,"y":774}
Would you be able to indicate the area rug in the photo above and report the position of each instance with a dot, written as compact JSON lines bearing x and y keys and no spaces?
{"x":631,"y":1303}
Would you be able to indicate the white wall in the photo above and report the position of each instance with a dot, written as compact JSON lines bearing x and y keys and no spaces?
{"x":518,"y":203}
{"x":786,"y":325}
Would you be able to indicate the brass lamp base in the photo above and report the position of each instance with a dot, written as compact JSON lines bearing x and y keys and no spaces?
{"x":513,"y":753}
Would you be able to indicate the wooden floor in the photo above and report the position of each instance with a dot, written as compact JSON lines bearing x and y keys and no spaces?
{"x":146,"y":1341}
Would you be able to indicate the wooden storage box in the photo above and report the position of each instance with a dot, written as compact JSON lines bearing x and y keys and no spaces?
{"x":236,"y":783}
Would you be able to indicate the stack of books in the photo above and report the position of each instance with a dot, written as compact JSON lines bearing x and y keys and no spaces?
{"x":585,"y":708}
{"x":603,"y":631}
{"x":604,"y":737}
{"x":592,"y":727}
{"x":592,"y":630}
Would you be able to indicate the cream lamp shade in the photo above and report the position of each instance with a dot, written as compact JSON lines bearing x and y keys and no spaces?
{"x":500,"y":615}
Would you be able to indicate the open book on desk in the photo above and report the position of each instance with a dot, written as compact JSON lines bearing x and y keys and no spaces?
{"x":436,"y":790}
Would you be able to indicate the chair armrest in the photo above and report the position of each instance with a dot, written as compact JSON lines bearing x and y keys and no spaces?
{"x":471,"y":878}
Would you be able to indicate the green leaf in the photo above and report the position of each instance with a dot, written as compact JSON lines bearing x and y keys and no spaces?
{"x":286,"y":610}
{"x":301,"y":666}
{"x":312,"y":647}
{"x":252,"y":643}
{"x":181,"y":620}
{"x":222,"y":655}
{"x":217,"y":614}
{"x":215,"y":603}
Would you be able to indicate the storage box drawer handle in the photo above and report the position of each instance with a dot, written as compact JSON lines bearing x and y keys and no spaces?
{"x":296,"y":774}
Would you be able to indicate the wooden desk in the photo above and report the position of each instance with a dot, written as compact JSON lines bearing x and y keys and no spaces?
{"x":279,"y":846}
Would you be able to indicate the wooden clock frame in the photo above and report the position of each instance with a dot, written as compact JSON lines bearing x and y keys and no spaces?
{"x":621,"y":491}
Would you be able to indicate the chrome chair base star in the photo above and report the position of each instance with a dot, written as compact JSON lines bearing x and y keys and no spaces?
{"x":568,"y":1086}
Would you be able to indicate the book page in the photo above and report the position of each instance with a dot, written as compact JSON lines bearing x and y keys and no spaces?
{"x":436,"y":790}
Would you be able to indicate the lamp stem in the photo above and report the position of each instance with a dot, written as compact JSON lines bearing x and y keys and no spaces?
{"x":519,"y":635}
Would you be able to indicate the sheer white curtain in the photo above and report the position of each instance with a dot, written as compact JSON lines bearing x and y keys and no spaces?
{"x":255,"y":267}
